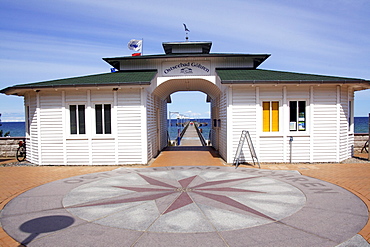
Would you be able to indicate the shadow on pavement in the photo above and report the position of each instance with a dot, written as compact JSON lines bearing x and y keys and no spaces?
{"x":44,"y":225}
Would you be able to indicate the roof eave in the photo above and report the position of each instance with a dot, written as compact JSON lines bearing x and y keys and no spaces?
{"x":294,"y":82}
{"x":16,"y":90}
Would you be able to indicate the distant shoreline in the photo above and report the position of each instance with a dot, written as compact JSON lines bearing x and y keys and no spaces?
{"x":17,"y":128}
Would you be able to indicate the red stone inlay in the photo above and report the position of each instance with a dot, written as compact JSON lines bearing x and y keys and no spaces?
{"x":186,"y":181}
{"x":118,"y":201}
{"x":233,"y":203}
{"x":181,"y":201}
{"x":184,"y":199}
{"x":138,"y":189}
{"x":153,"y":181}
{"x":230,"y":190}
{"x":221,"y":182}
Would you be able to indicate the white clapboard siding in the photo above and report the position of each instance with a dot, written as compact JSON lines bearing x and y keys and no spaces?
{"x":300,"y":149}
{"x":298,"y":92}
{"x":101,"y":96}
{"x":157,"y":124}
{"x":324,"y":116}
{"x":271,"y":149}
{"x":154,"y":104}
{"x":129,"y":121}
{"x":78,"y":152}
{"x":344,"y":139}
{"x":164,"y":122}
{"x":33,"y":139}
{"x":223,"y":125}
{"x":243,"y":118}
{"x":212,"y":131}
{"x":271,"y":92}
{"x":103,"y":151}
{"x":73,"y":96}
{"x":151,"y":123}
{"x":51,"y":128}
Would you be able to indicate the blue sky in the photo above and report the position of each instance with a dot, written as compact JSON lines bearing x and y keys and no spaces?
{"x":44,"y":40}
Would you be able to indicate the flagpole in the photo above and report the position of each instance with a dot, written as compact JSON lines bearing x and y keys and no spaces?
{"x":142,"y":47}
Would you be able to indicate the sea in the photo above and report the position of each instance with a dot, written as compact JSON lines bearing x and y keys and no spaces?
{"x":18,"y":128}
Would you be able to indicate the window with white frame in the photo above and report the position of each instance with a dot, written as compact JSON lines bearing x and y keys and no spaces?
{"x":297,"y":116}
{"x":103,"y":122}
{"x":270,"y":116}
{"x":77,"y":119}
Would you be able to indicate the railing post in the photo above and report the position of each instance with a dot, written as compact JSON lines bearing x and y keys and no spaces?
{"x":368,"y":141}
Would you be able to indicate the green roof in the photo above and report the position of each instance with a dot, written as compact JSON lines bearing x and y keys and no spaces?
{"x":140,"y":77}
{"x":245,"y":76}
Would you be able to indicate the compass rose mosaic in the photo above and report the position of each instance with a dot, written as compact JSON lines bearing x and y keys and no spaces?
{"x":184,"y":201}
{"x":186,"y":206}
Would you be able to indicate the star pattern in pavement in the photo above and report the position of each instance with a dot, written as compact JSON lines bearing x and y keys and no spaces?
{"x":216,"y":192}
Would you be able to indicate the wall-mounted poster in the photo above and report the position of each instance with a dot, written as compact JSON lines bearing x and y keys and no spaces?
{"x":293,"y":126}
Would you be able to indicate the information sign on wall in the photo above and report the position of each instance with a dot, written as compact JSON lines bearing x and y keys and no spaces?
{"x":186,"y":68}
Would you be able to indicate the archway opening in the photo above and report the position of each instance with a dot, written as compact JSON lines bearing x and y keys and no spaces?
{"x":183,"y":91}
{"x":188,"y":106}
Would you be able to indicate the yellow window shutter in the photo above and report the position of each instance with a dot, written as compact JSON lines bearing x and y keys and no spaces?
{"x":275,"y":116}
{"x":266,"y":116}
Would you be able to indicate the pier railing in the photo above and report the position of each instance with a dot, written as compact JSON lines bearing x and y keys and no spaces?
{"x":184,"y":129}
{"x":201,"y":137}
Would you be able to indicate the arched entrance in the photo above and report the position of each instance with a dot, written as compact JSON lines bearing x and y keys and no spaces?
{"x":160,"y":96}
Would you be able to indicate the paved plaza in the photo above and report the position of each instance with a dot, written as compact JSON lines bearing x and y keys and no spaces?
{"x":186,"y":206}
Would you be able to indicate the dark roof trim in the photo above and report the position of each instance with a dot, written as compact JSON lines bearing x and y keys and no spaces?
{"x":258,"y":58}
{"x":205,"y":46}
{"x":161,"y":56}
{"x":121,"y":78}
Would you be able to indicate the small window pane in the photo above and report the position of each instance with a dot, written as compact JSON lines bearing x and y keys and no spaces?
{"x":301,"y":115}
{"x":293,"y":116}
{"x":81,"y":119}
{"x":107,"y":119}
{"x":73,"y":118}
{"x":266,"y":116}
{"x":99,"y":119}
{"x":275,"y":116}
{"x":297,"y":116}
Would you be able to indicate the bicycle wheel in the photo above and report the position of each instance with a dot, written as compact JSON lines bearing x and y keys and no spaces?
{"x":21,"y":154}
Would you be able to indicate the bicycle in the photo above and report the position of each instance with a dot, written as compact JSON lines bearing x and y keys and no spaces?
{"x":21,"y":151}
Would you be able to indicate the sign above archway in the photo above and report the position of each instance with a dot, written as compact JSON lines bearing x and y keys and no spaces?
{"x":190,"y":68}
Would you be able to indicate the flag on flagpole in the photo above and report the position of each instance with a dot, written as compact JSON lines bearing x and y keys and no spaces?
{"x":135,"y":44}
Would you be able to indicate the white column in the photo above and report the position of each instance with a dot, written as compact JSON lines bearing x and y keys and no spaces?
{"x":89,"y":126}
{"x":115,"y":124}
{"x":229,"y":125}
{"x":310,"y":123}
{"x":144,"y":127}
{"x":258,"y":121}
{"x":65,"y":133}
{"x":284,"y":124}
{"x":338,"y":122}
{"x":39,"y":139}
